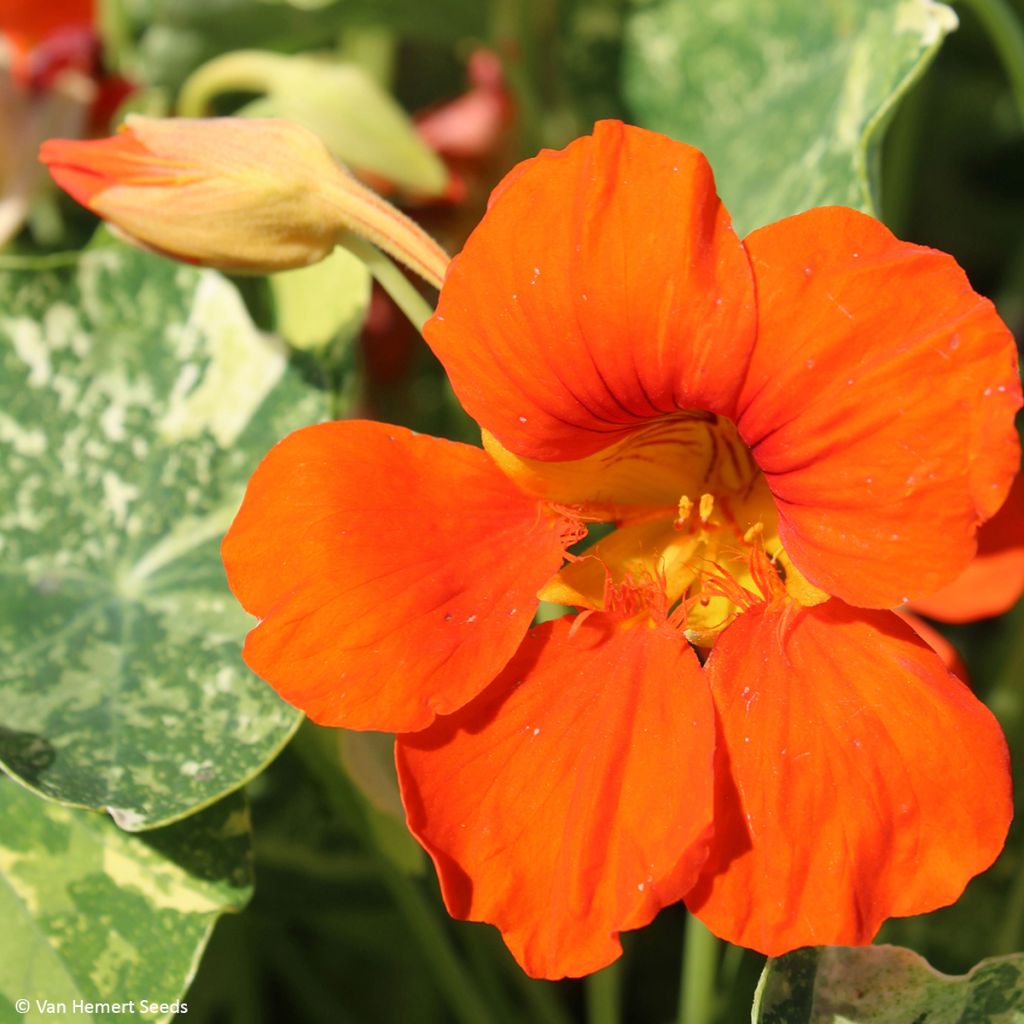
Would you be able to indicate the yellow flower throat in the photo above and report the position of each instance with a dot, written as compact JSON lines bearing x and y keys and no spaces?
{"x":692,"y":513}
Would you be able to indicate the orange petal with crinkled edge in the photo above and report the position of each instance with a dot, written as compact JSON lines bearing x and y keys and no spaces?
{"x":394,"y":574}
{"x":571,"y":801}
{"x":856,"y":779}
{"x":604,"y":287}
{"x":879,"y":404}
{"x":994,"y":580}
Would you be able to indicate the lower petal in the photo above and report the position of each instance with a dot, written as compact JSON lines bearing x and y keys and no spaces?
{"x":857,"y":779}
{"x":573,"y":799}
{"x":395,"y":574}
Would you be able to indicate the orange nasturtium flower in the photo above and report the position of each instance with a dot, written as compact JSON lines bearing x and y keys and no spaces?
{"x":792,"y":434}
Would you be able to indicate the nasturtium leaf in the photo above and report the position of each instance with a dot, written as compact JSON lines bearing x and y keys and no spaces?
{"x":92,"y":913}
{"x":136,"y":397}
{"x":788,"y":101}
{"x":885,"y":985}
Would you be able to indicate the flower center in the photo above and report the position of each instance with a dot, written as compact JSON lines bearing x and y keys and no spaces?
{"x":691,"y":509}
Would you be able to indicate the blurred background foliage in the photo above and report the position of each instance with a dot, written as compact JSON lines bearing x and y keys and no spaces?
{"x":345,"y":923}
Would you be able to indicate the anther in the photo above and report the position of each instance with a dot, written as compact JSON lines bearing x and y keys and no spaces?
{"x":755,"y":531}
{"x":706,"y":507}
{"x":685,"y":508}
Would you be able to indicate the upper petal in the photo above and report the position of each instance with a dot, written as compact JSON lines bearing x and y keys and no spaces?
{"x":604,"y":287}
{"x":994,"y":580}
{"x":859,"y":780}
{"x":879,"y":403}
{"x":394,"y":574}
{"x":573,"y":799}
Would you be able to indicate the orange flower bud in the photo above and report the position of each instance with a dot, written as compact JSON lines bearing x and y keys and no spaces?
{"x":239,"y":194}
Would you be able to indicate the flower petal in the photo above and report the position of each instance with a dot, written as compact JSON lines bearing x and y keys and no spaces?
{"x":858,"y":780}
{"x":573,"y":799}
{"x":879,"y":404}
{"x":395,"y":574}
{"x":949,"y":655}
{"x":604,"y":287}
{"x":994,"y":580}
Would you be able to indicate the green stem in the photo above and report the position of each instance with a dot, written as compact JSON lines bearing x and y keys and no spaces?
{"x":1006,"y":33}
{"x":729,"y":969}
{"x":1008,"y":936}
{"x":115,"y":34}
{"x":451,"y":978}
{"x":1005,"y":698}
{"x":403,"y":292}
{"x":541,"y":998}
{"x":700,"y":966}
{"x":604,"y":995}
{"x":1008,"y":706}
{"x":467,"y":1006}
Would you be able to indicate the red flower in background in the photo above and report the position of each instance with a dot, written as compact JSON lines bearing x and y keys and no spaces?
{"x":791,"y":434}
{"x":52,"y":83}
{"x":44,"y":37}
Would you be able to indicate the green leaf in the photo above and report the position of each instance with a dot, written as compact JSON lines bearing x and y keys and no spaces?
{"x":316,"y":305}
{"x":92,"y":913}
{"x":136,"y":398}
{"x":885,"y":985}
{"x":788,"y":101}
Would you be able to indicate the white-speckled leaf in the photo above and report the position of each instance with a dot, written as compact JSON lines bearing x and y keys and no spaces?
{"x":787,"y":99}
{"x":885,"y":985}
{"x":136,"y":397}
{"x":94,"y":914}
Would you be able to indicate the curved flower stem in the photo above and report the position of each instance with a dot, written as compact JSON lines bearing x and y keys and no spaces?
{"x":700,"y":967}
{"x":604,"y":995}
{"x":1006,"y":33}
{"x":241,"y":71}
{"x":404,"y":293}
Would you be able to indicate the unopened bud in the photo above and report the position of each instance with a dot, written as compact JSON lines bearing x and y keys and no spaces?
{"x":250,"y":195}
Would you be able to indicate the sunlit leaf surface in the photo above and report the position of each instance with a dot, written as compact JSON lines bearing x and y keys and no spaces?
{"x":136,"y":397}
{"x":94,"y":914}
{"x":788,"y":101}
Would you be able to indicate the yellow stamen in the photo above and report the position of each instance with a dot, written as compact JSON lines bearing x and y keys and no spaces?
{"x":755,"y":531}
{"x":685,"y":508}
{"x":706,"y":507}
